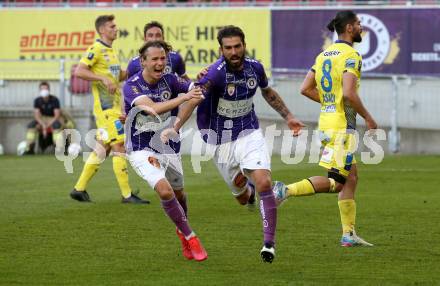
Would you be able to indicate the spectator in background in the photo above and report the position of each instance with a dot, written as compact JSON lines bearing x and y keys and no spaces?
{"x":47,"y":118}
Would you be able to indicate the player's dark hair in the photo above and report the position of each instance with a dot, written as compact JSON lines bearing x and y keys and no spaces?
{"x":152,"y":24}
{"x":156,"y":44}
{"x":101,"y":20}
{"x":230,"y":31}
{"x":44,"y":83}
{"x":341,"y":20}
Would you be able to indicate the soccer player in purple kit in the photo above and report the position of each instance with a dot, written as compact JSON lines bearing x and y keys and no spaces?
{"x":226,"y":119}
{"x":153,"y":31}
{"x":151,"y":101}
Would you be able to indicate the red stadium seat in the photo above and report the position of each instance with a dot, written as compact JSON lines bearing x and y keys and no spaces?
{"x":132,"y":3}
{"x":317,"y":2}
{"x":24,"y":3}
{"x":78,"y":85}
{"x":104,"y":3}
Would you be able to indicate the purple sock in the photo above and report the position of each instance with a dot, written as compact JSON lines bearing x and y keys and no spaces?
{"x":268,"y":210}
{"x":182,"y":202}
{"x":177,"y":215}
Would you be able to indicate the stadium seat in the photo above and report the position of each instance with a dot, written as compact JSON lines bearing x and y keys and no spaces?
{"x":155,"y":2}
{"x":292,"y":2}
{"x":77,"y":2}
{"x":105,"y":2}
{"x":51,"y":1}
{"x":131,"y":1}
{"x":317,"y":2}
{"x":78,"y":85}
{"x":23,"y":3}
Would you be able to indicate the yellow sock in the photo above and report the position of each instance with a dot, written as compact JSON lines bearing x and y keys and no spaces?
{"x":347,"y":209}
{"x":57,"y":138}
{"x":301,"y":188}
{"x":90,"y":169}
{"x":121,"y":173}
{"x":31,"y":137}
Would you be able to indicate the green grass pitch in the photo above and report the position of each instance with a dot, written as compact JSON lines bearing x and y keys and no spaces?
{"x":48,"y":239}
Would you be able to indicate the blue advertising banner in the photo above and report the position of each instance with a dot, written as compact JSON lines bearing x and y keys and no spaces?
{"x":394,"y":41}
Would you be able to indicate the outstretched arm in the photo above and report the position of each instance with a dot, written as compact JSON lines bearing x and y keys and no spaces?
{"x":275,"y":101}
{"x":154,"y":108}
{"x":185,"y":111}
{"x":308,"y":87}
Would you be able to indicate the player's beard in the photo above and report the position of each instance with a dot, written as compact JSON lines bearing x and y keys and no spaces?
{"x":357,"y":38}
{"x":235,"y":65}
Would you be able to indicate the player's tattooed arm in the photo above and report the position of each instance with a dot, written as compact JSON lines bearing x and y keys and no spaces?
{"x":276,"y":102}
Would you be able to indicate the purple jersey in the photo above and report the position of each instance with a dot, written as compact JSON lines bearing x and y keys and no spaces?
{"x":144,"y":128}
{"x":175,"y":65}
{"x":228,"y":113}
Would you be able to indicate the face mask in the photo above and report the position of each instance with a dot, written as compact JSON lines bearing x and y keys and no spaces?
{"x":44,"y":92}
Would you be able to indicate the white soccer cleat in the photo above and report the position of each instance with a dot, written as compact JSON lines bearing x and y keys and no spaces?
{"x":351,"y":240}
{"x":280,"y":191}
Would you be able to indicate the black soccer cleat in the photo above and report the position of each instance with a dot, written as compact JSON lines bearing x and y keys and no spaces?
{"x":133,"y":199}
{"x":80,"y":196}
{"x":267,"y":253}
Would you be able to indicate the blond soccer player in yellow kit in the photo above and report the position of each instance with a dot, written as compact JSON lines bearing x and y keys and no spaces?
{"x":333,"y":81}
{"x":101,"y":66}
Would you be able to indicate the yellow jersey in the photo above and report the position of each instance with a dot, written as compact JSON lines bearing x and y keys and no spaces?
{"x":329,"y":67}
{"x":102,"y":60}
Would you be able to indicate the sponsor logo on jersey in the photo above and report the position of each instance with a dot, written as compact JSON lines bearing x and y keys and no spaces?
{"x":350,"y":63}
{"x":331,"y":53}
{"x":135,"y":90}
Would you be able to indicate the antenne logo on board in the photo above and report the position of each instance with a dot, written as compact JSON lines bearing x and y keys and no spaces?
{"x":61,"y":42}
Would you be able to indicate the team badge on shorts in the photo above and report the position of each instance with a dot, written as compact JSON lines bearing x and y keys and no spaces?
{"x":231,"y":89}
{"x":251,"y":82}
{"x":165,"y":94}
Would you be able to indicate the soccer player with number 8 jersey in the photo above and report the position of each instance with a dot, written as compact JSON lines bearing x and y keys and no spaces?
{"x":333,"y":81}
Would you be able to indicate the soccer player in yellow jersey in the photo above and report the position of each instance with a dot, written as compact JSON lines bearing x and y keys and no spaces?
{"x":333,"y":81}
{"x":101,"y":66}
